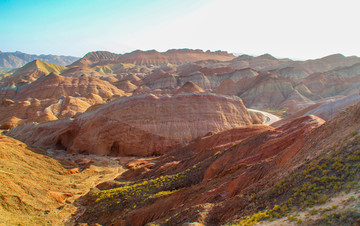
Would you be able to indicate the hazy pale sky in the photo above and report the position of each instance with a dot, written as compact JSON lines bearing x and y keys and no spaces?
{"x":298,"y":29}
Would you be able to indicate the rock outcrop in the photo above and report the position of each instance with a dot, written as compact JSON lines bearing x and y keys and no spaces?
{"x":149,"y":125}
{"x":35,"y":110}
{"x":190,"y":87}
{"x":151,"y":57}
{"x":55,"y":86}
{"x":223,"y":167}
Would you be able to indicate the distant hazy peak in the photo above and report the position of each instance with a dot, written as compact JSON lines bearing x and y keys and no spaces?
{"x":18,"y":59}
{"x":152,"y":57}
{"x":267,"y":56}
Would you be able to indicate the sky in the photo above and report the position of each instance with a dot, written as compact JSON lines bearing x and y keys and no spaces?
{"x":297,"y":29}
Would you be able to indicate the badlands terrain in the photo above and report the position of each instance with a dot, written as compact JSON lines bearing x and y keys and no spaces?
{"x":182,"y":137}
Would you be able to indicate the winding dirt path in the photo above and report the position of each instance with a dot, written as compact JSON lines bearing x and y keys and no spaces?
{"x":269,"y":118}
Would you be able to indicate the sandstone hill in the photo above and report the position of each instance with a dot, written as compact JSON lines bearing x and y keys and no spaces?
{"x":141,"y":126}
{"x":151,"y":57}
{"x":30,"y":72}
{"x":55,"y":86}
{"x":262,"y":82}
{"x":190,"y":87}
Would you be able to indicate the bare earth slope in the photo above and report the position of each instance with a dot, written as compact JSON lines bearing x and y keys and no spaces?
{"x":38,"y":190}
{"x":149,"y":124}
{"x":151,"y":57}
{"x":264,"y":173}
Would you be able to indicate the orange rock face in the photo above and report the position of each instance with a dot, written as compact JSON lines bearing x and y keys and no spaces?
{"x":149,"y":125}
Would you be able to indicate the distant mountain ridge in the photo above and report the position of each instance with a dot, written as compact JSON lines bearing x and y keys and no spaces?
{"x":152,"y":57}
{"x":18,"y":59}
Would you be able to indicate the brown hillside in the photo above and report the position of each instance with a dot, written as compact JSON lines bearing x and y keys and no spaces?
{"x":39,"y":190}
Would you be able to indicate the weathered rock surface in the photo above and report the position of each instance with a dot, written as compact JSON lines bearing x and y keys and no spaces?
{"x":35,"y":110}
{"x":148,"y":125}
{"x":151,"y":57}
{"x":227,"y":165}
{"x":190,"y":87}
{"x":36,"y":188}
{"x":55,"y":86}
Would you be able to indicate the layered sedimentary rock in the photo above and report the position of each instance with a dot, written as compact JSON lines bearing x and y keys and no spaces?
{"x":35,"y":110}
{"x":95,"y":57}
{"x":53,"y":97}
{"x":268,"y":90}
{"x":151,"y":57}
{"x":335,"y":82}
{"x":224,"y":167}
{"x":148,"y":125}
{"x":55,"y":86}
{"x":189,"y":87}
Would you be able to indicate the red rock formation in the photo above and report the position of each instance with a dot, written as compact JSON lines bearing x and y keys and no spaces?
{"x":55,"y":86}
{"x":237,"y":170}
{"x":189,"y":87}
{"x":268,"y":90}
{"x":189,"y":55}
{"x":96,"y":57}
{"x":29,"y":110}
{"x":35,"y":110}
{"x":231,"y":164}
{"x":148,"y":125}
{"x":151,"y":57}
{"x":177,"y":119}
{"x":216,"y":70}
{"x":126,"y":86}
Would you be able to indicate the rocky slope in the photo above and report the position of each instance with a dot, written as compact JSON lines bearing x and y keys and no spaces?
{"x":29,"y":73}
{"x":256,"y":171}
{"x":145,"y":125}
{"x":40,"y":190}
{"x":208,"y":177}
{"x":37,"y":93}
{"x":55,"y":97}
{"x":34,"y":110}
{"x":262,"y":82}
{"x":54,"y":86}
{"x":241,"y":175}
{"x":151,"y":57}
